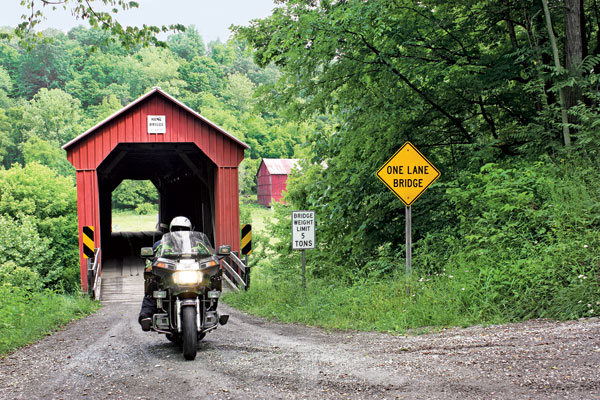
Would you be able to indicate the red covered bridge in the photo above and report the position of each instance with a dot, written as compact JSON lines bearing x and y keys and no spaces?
{"x":192,"y":162}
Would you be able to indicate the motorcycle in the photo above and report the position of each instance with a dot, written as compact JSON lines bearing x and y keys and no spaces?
{"x":184,"y":277}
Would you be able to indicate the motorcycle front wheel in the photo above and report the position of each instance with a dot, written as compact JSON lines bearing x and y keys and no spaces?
{"x":190,"y":333}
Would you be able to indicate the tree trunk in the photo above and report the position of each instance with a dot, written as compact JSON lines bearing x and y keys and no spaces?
{"x":573,"y":47}
{"x":564,"y":115}
{"x":584,"y":36}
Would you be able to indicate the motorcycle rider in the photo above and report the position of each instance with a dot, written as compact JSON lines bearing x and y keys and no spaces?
{"x":149,"y":302}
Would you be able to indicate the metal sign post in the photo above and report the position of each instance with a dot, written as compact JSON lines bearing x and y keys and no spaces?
{"x":303,"y":236}
{"x":303,"y":269}
{"x":408,"y":219}
{"x":408,"y":174}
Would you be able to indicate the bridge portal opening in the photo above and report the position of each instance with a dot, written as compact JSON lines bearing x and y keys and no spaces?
{"x":134,"y":206}
{"x":182,"y":176}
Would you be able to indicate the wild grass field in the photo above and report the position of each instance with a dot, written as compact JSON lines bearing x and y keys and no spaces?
{"x":129,"y":221}
{"x":255,"y":214}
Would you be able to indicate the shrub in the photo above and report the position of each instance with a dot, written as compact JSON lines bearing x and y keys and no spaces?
{"x":146,"y":209}
{"x":22,"y":277}
{"x":525,"y":239}
{"x":50,"y":201}
{"x":22,"y":247}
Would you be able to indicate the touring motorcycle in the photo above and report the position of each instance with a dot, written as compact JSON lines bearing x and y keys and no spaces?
{"x":184,"y":277}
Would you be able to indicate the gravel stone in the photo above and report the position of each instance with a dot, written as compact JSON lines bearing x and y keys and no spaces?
{"x":107,"y":356}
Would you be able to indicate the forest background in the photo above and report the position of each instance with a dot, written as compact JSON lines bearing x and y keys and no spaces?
{"x":501,"y":97}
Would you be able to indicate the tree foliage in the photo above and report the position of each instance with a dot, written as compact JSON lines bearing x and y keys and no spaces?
{"x":469,"y":83}
{"x":41,"y":203}
{"x":54,"y":91}
{"x":100,"y":14}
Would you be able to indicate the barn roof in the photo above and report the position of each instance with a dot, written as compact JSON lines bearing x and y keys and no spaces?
{"x":280,"y":166}
{"x":142,"y":98}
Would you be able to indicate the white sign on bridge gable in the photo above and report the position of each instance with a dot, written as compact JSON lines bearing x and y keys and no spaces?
{"x":157,"y":124}
{"x":303,"y":230}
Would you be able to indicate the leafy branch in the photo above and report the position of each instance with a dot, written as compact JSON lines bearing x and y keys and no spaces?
{"x":129,"y":36}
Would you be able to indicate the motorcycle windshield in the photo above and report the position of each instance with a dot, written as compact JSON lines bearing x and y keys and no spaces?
{"x":185,"y":243}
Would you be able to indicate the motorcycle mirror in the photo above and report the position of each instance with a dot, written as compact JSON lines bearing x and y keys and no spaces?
{"x":224,"y":250}
{"x":146,"y":252}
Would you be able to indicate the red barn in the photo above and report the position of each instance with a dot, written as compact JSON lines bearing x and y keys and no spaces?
{"x":272,"y":178}
{"x":192,"y":162}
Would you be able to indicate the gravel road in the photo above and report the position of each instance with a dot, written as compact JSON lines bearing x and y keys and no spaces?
{"x":107,"y":356}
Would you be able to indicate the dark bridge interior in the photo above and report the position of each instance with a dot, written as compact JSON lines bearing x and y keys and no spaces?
{"x":183,"y":176}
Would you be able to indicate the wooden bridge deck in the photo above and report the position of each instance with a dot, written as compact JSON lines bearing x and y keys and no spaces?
{"x":123,"y":280}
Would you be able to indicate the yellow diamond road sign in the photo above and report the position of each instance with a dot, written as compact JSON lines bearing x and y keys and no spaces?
{"x":408,"y":173}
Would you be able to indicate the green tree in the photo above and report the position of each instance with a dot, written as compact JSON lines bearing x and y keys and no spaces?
{"x":108,"y":106}
{"x":92,"y":39}
{"x":6,"y":88}
{"x":9,"y":54}
{"x":151,"y":67}
{"x":53,"y":116}
{"x":222,"y":53}
{"x":37,"y":150}
{"x":202,"y":74}
{"x":239,"y":92}
{"x":391,"y":72}
{"x":8,"y":147}
{"x":131,"y":194}
{"x":45,"y":66}
{"x":12,"y":132}
{"x":51,"y":202}
{"x":188,"y":44}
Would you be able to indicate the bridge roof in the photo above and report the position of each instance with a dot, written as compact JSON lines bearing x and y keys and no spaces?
{"x":139,"y":100}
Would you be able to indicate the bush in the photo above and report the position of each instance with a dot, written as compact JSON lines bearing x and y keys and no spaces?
{"x":525,"y":240}
{"x":146,"y":209}
{"x":40,"y":199}
{"x":21,"y":277}
{"x":22,"y":247}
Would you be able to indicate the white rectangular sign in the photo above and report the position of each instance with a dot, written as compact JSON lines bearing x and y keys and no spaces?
{"x":157,"y":124}
{"x":303,"y":230}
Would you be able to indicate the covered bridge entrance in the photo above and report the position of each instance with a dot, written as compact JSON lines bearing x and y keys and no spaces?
{"x":192,"y":162}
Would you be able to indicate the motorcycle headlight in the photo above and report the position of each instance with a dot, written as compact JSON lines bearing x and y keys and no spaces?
{"x":187,"y":277}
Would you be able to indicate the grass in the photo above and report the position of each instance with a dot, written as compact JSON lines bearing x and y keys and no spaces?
{"x":129,"y":221}
{"x":259,"y":215}
{"x":26,"y":317}
{"x":384,"y":306}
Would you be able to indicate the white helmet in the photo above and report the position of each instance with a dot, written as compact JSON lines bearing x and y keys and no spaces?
{"x":180,"y":224}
